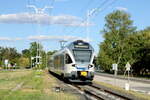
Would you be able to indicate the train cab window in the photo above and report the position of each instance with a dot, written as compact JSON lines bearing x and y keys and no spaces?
{"x":68,"y":59}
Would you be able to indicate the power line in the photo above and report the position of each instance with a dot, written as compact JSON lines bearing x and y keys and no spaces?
{"x":51,"y":3}
{"x":100,"y":8}
{"x":82,"y":9}
{"x":87,"y":5}
{"x":37,"y":11}
{"x":103,"y":3}
{"x":85,"y":19}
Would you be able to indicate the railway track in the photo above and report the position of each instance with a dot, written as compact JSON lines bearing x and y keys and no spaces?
{"x":93,"y":91}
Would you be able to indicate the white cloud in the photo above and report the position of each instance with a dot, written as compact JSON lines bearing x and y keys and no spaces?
{"x":44,"y":37}
{"x":57,"y":38}
{"x":4,"y":39}
{"x":43,"y":19}
{"x":122,"y":8}
{"x":9,"y":39}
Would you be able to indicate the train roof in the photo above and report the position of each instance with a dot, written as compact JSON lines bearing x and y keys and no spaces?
{"x":78,"y":44}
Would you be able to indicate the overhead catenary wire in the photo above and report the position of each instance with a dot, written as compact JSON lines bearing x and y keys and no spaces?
{"x":88,"y":4}
{"x":51,"y":3}
{"x":31,"y":57}
{"x":103,"y":6}
{"x":37,"y":12}
{"x":85,"y":19}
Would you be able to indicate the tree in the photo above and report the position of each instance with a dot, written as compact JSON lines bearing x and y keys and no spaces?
{"x":26,"y":53}
{"x":36,"y":50}
{"x":9,"y":53}
{"x":33,"y":48}
{"x":117,"y":28}
{"x":140,"y":51}
{"x":23,"y":62}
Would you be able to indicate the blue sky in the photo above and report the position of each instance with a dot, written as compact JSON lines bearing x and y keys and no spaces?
{"x":14,"y":26}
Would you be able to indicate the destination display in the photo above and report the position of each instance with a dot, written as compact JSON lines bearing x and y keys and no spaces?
{"x":81,"y":46}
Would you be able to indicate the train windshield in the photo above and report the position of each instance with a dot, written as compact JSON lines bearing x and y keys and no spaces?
{"x":82,"y":55}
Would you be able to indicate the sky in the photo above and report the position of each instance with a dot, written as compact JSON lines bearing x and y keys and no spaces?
{"x":23,"y":21}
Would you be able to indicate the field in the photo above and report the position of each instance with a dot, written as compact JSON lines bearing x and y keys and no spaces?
{"x":30,"y":85}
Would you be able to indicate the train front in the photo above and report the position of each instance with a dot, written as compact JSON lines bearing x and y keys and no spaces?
{"x":83,"y":54}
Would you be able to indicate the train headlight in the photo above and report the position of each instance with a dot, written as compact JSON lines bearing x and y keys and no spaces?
{"x":74,"y":65}
{"x":90,"y":66}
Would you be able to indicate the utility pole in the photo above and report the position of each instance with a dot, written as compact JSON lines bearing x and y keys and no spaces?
{"x":89,"y":14}
{"x":38,"y":54}
{"x":38,"y":11}
{"x":87,"y":28}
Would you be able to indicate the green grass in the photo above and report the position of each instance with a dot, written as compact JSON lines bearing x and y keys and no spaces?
{"x":140,"y":96}
{"x":30,"y":85}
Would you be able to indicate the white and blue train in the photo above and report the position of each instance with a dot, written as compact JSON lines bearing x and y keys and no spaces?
{"x":74,"y":62}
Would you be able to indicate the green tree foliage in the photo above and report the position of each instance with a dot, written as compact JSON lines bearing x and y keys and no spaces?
{"x":123,"y":44}
{"x":34,"y":52}
{"x":25,"y":59}
{"x":33,"y":48}
{"x":9,"y":53}
{"x":43,"y":59}
{"x":26,"y":53}
{"x":140,"y":51}
{"x":23,"y":62}
{"x":117,"y":28}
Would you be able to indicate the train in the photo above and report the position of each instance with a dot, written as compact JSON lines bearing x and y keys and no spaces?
{"x":74,"y":62}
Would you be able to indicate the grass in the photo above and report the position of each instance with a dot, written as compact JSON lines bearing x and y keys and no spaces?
{"x":30,"y":85}
{"x":140,"y":96}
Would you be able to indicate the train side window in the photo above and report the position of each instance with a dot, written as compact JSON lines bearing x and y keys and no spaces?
{"x":68,"y":59}
{"x":94,"y":61}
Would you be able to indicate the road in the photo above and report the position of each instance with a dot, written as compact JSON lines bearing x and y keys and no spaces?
{"x":134,"y":85}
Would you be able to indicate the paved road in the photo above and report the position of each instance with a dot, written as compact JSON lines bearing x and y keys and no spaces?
{"x":125,"y":78}
{"x":135,"y":86}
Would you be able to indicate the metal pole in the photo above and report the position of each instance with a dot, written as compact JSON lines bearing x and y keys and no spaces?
{"x":128,"y":76}
{"x":38,"y":11}
{"x":31,"y":62}
{"x":115,"y":74}
{"x":46,"y":59}
{"x":40,"y":55}
{"x":36,"y":54}
{"x":87,"y":29}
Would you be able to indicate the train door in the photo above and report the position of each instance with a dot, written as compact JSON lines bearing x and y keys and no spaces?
{"x":68,"y":63}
